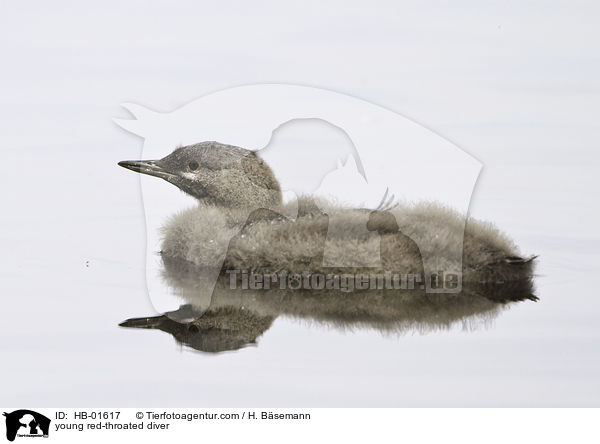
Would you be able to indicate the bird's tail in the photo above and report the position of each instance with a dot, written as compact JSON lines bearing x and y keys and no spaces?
{"x":516,"y":260}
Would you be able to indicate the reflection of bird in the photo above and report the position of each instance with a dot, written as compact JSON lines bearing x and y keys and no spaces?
{"x":230,"y":183}
{"x":236,"y":318}
{"x":212,"y":331}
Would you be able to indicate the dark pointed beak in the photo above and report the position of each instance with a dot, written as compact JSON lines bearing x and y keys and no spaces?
{"x":149,"y":167}
{"x":151,"y":322}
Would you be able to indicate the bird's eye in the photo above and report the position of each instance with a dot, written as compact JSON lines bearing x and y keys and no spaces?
{"x":193,"y":165}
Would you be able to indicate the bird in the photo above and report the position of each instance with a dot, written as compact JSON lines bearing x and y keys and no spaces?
{"x":240,"y":222}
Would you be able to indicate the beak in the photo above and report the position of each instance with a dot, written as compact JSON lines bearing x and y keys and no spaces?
{"x":149,"y":167}
{"x":152,"y":322}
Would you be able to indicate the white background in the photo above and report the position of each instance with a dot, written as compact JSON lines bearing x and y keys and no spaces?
{"x":514,"y":84}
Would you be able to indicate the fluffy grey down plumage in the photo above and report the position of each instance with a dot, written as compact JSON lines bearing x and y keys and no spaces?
{"x":202,"y":236}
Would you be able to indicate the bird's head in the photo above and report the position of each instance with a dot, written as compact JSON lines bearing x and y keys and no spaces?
{"x":215,"y":173}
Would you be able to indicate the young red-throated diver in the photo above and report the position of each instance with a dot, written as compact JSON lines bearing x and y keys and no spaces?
{"x":231,"y":182}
